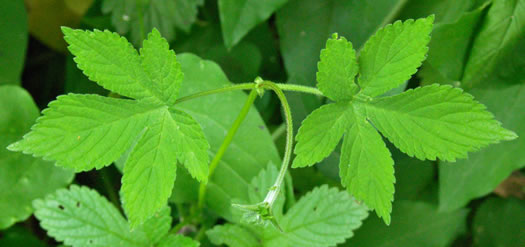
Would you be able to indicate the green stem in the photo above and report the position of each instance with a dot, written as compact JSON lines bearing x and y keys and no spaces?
{"x":227,"y":140}
{"x":242,"y":86}
{"x":276,"y":188}
{"x":299,"y":88}
{"x":251,"y":85}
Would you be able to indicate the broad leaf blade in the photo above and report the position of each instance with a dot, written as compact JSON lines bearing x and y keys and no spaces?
{"x":497,"y":49}
{"x":192,"y":146}
{"x":329,"y":213}
{"x":414,"y":224}
{"x":111,"y":61}
{"x":160,"y":64}
{"x":150,"y":170}
{"x":22,"y":178}
{"x":320,"y":133}
{"x":81,"y":217}
{"x":436,"y":122}
{"x":232,"y":236}
{"x":337,"y":70}
{"x":158,"y":226}
{"x":393,"y":54}
{"x":499,"y":222}
{"x":85,"y":131}
{"x":14,"y":41}
{"x":238,"y":17}
{"x":366,"y":166}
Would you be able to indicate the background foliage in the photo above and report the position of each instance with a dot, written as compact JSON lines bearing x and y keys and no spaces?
{"x":476,"y":45}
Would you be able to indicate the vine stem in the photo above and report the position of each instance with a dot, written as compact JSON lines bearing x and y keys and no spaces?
{"x":228,"y":139}
{"x":276,"y":188}
{"x":251,"y":85}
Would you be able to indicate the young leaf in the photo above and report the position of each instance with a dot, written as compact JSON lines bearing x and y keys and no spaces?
{"x":320,"y":133}
{"x":329,"y":213}
{"x":337,"y":69}
{"x":81,"y":217}
{"x":150,"y":170}
{"x":436,"y":122}
{"x":22,"y":178}
{"x":366,"y":167}
{"x":86,"y":131}
{"x":232,"y":236}
{"x":393,"y":54}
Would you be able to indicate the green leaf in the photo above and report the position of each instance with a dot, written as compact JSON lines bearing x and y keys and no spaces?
{"x":446,"y":11}
{"x":140,"y":17}
{"x":320,"y":133}
{"x":232,"y":236}
{"x":323,"y":217}
{"x":13,"y":43}
{"x":497,"y":47}
{"x":150,"y":170}
{"x":393,"y":54}
{"x":158,"y":226}
{"x":161,"y":65}
{"x":448,"y":48}
{"x":86,"y":131}
{"x":238,"y":17}
{"x":261,"y":184}
{"x":252,"y":147}
{"x":22,"y":177}
{"x":192,"y":146}
{"x":499,"y":222}
{"x":305,"y":25}
{"x":413,"y":177}
{"x":81,"y":217}
{"x":20,"y":236}
{"x":112,"y":62}
{"x":414,"y":224}
{"x":178,"y":241}
{"x":366,"y":166}
{"x":479,"y":175}
{"x":337,"y":70}
{"x":436,"y":122}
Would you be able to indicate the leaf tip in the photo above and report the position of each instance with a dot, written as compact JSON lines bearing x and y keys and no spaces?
{"x":335,"y":36}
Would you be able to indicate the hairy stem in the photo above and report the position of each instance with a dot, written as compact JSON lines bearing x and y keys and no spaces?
{"x":276,"y":188}
{"x":251,"y":85}
{"x":227,"y":140}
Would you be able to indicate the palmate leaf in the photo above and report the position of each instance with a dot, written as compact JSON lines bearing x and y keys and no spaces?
{"x":89,"y":131}
{"x":428,"y":123}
